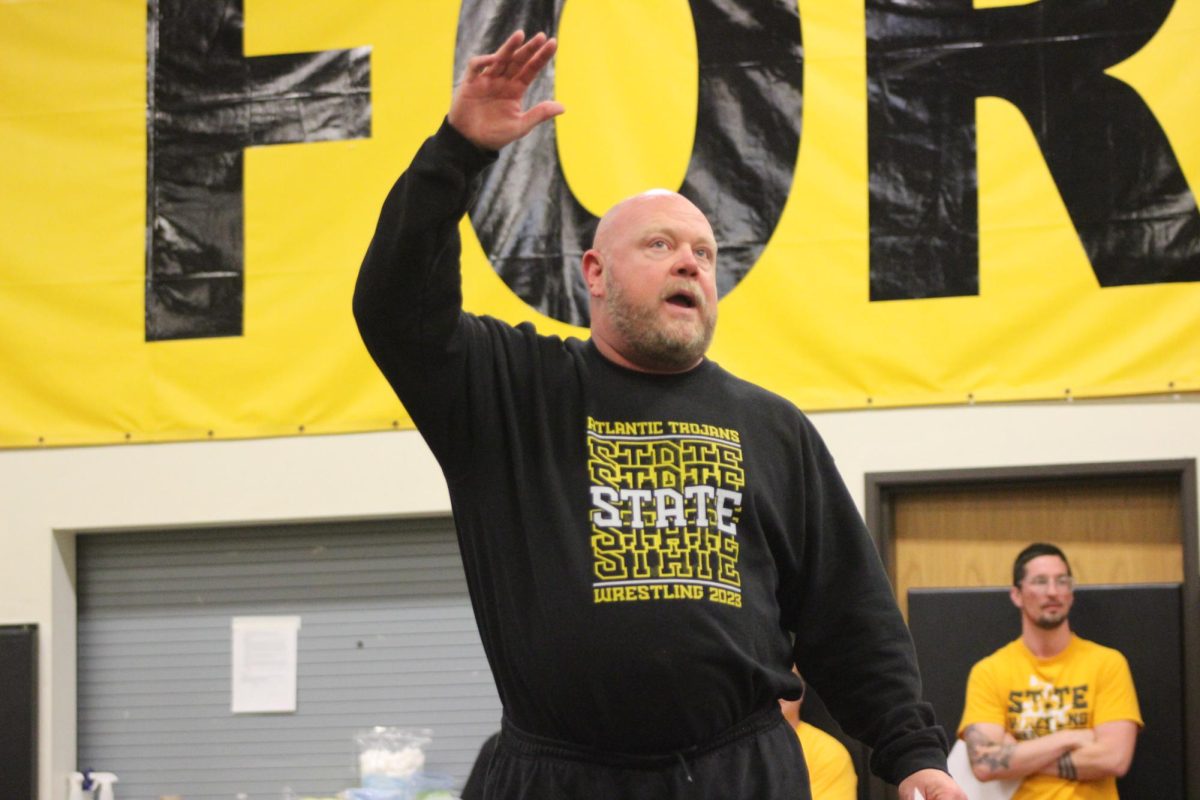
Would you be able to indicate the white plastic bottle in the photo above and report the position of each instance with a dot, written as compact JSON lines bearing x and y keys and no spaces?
{"x":104,"y":785}
{"x":76,"y":790}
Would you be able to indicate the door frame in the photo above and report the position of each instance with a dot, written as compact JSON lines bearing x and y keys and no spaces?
{"x":883,"y":487}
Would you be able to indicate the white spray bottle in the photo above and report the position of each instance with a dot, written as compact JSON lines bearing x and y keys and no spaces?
{"x":90,"y":785}
{"x":76,"y":791}
{"x":104,"y":785}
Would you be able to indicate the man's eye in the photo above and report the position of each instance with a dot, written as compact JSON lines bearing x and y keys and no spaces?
{"x":659,"y":244}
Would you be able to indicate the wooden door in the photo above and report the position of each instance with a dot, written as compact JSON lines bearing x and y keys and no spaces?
{"x":1114,"y":531}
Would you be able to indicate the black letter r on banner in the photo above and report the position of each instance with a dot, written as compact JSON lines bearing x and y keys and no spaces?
{"x":927,"y":61}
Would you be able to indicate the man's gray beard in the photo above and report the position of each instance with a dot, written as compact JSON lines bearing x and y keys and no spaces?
{"x":649,"y":344}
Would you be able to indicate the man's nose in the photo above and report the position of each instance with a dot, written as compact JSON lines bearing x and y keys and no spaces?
{"x":686,"y":262}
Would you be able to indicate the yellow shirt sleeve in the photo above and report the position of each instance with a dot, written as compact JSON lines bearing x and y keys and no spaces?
{"x":985,"y":702}
{"x":1116,"y":697}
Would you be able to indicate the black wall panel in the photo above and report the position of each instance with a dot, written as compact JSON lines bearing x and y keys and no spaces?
{"x":18,"y":710}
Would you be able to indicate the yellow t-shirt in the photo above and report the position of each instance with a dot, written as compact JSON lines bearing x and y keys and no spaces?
{"x":830,"y":769}
{"x":1085,"y":685}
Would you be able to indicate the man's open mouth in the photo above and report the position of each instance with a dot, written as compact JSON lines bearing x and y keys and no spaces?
{"x":682,"y":300}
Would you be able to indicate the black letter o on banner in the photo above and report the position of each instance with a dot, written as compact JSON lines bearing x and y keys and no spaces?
{"x":529,"y":222}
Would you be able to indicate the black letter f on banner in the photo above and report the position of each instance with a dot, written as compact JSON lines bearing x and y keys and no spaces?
{"x":207,"y":102}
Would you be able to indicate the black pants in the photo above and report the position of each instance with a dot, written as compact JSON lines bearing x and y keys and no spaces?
{"x":757,"y":759}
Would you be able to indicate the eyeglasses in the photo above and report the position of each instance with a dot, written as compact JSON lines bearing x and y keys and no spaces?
{"x":1042,"y":582}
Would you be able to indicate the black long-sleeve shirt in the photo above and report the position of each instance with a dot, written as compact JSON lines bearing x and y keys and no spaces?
{"x":641,"y":549}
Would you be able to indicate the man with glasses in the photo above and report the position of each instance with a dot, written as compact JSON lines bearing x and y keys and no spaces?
{"x":1056,"y":712}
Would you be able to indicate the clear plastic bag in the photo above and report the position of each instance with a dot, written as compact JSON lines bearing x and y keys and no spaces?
{"x":392,"y":759}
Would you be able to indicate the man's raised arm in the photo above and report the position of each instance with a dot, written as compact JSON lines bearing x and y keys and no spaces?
{"x":408,"y":298}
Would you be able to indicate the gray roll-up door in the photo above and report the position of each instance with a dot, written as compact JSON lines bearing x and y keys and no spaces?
{"x":387,"y":637}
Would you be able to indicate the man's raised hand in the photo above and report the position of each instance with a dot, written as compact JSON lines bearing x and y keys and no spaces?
{"x":487,"y":105}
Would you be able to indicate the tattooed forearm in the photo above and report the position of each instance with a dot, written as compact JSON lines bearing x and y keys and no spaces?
{"x":986,"y":752}
{"x":1066,"y":767}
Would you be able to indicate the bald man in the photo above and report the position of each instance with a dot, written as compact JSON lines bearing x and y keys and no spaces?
{"x":650,"y":542}
{"x":651,"y":276}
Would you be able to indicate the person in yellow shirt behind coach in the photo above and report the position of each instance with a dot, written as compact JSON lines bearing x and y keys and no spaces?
{"x":830,"y":770}
{"x":1054,"y":711}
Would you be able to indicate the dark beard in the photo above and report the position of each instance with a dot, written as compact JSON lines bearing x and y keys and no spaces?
{"x":1050,"y":624}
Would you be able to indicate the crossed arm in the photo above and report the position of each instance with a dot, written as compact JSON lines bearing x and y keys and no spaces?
{"x":1081,"y":755}
{"x":1110,"y":754}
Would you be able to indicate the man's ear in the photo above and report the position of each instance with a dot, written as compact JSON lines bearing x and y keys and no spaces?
{"x":593,"y":272}
{"x":1014,"y":594}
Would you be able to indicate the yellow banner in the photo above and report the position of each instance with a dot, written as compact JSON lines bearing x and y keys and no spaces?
{"x":79,"y":365}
